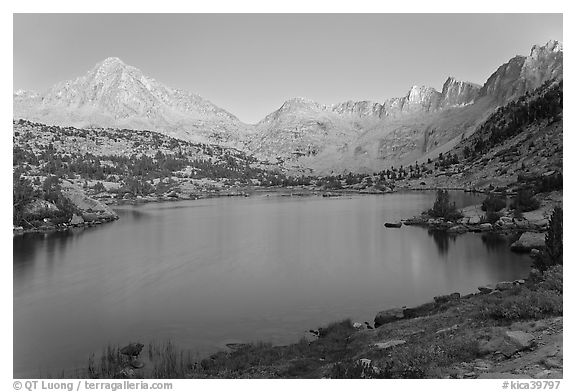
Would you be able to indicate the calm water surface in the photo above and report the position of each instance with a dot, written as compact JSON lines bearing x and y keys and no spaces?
{"x":207,"y":272}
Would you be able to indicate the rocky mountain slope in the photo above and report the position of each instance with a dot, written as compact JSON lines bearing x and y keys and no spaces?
{"x":368,"y":136}
{"x":117,"y":95}
{"x":517,"y":144}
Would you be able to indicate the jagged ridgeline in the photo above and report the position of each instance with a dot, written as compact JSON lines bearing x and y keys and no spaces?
{"x":351,"y":136}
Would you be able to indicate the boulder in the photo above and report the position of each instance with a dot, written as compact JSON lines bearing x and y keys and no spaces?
{"x":520,"y":339}
{"x":482,"y":365}
{"x":388,"y":344}
{"x":446,"y":298}
{"x":473,"y":214}
{"x":505,"y":222}
{"x":474,"y":220}
{"x":529,"y":241}
{"x":506,"y":342}
{"x":523,"y":225}
{"x":85,"y":203}
{"x":76,"y":220}
{"x":551,"y":363}
{"x":539,"y":217}
{"x":310,"y":337}
{"x":486,"y":289}
{"x":236,"y":346}
{"x":506,"y":219}
{"x":136,"y":364}
{"x":132,"y":350}
{"x":358,"y":325}
{"x":486,"y":226}
{"x":388,"y":316}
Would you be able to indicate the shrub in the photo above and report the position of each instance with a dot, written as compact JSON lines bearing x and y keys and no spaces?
{"x":443,"y":208}
{"x":99,"y":187}
{"x":337,"y":329}
{"x":535,"y":305}
{"x":493,"y":203}
{"x":550,"y":183}
{"x":525,"y":201}
{"x":22,"y":194}
{"x":552,"y":279}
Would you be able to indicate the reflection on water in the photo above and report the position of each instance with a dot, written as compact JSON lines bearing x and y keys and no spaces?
{"x":207,"y":272}
{"x":442,"y":240}
{"x":495,"y":242}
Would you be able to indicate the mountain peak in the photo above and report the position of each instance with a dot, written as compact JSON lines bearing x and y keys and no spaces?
{"x":551,"y":46}
{"x":111,"y":61}
{"x":421,"y":94}
{"x":300,"y":103}
{"x":111,"y":65}
{"x":522,"y":73}
{"x":458,"y":93}
{"x":114,"y":94}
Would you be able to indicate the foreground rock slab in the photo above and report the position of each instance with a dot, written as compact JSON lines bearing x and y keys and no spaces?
{"x":389,"y":344}
{"x":529,"y":241}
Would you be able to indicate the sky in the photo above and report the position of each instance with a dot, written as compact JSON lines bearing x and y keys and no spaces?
{"x":249,"y":64}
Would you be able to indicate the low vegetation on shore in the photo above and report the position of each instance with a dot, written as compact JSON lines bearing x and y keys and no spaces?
{"x":465,"y":337}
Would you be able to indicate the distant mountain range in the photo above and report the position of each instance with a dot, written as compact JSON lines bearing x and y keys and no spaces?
{"x":117,"y":95}
{"x":359,"y":136}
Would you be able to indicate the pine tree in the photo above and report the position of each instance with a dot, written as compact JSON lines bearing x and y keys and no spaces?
{"x":552,"y":253}
{"x":554,"y":236}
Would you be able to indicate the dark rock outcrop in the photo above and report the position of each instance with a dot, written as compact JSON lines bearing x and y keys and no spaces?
{"x":132,"y":350}
{"x":388,"y":316}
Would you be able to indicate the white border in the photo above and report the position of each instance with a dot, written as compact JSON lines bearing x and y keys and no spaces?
{"x":300,"y":6}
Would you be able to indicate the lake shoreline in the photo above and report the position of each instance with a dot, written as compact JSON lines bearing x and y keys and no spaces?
{"x":495,"y":346}
{"x":241,"y":192}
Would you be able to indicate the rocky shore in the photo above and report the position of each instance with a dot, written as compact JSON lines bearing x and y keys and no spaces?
{"x":529,"y":225}
{"x":91,"y":212}
{"x":505,"y":330}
